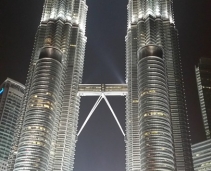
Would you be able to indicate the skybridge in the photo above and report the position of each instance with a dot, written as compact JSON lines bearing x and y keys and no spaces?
{"x":102,"y":90}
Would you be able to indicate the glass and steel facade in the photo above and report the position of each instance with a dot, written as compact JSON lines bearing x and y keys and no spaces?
{"x":11,"y":94}
{"x":45,"y":136}
{"x":202,"y":156}
{"x":203,"y":78}
{"x":157,"y":133}
{"x":155,"y":94}
{"x":156,"y":142}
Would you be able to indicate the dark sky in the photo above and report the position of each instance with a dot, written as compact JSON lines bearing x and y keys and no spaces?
{"x":101,"y":146}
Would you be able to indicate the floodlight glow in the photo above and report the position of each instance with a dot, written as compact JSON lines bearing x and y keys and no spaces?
{"x":2,"y":90}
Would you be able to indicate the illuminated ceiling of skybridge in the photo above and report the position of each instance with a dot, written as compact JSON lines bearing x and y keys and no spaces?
{"x":106,"y":89}
{"x":102,"y":90}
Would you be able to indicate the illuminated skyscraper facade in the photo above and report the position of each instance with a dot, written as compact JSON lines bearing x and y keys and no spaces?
{"x":157,"y":131}
{"x":201,"y":151}
{"x":157,"y":136}
{"x":202,"y":156}
{"x":46,"y":133}
{"x":11,"y":95}
{"x":203,"y":78}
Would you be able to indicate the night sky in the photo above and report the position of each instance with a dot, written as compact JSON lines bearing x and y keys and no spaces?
{"x":101,"y":146}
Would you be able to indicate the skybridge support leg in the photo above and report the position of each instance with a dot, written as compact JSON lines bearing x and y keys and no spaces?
{"x":102,"y":96}
{"x":90,"y":114}
{"x":117,"y":121}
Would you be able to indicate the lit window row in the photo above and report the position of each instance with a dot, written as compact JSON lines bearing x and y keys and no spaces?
{"x":148,"y":92}
{"x":47,"y":93}
{"x":135,"y":101}
{"x":93,"y":89}
{"x":41,"y":105}
{"x":207,"y":132}
{"x":160,"y":148}
{"x":206,"y":87}
{"x":205,"y":169}
{"x":155,"y":114}
{"x":38,"y":143}
{"x":36,"y":128}
{"x":151,"y":133}
{"x":116,"y":87}
{"x":206,"y":164}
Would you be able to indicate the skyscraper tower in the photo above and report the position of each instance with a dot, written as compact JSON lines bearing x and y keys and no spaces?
{"x":11,"y":94}
{"x":203,"y":78}
{"x":46,"y":133}
{"x":157,"y":131}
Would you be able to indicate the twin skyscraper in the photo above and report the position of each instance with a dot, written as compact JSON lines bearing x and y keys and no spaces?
{"x":157,"y":132}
